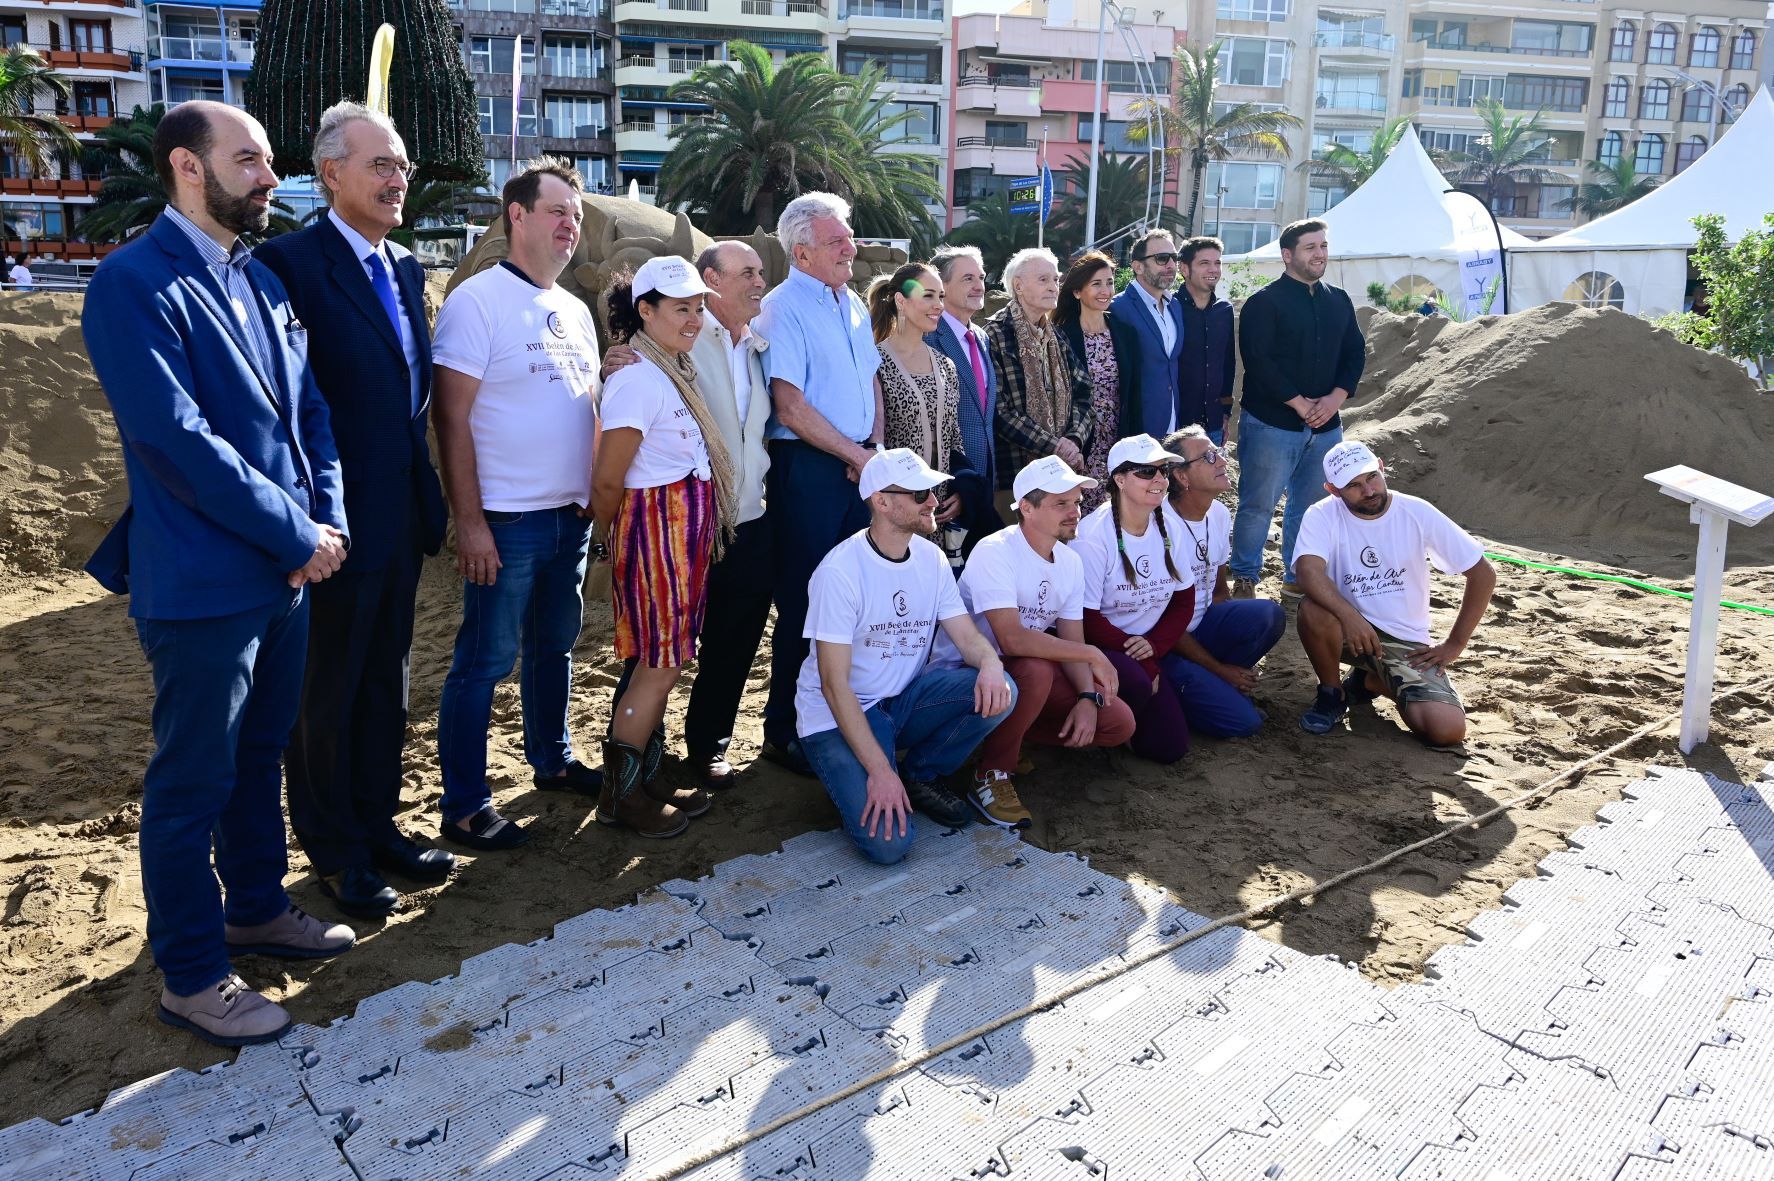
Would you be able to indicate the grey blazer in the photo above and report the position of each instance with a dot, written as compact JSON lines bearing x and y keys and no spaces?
{"x":745,"y":442}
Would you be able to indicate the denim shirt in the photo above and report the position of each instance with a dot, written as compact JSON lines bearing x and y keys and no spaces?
{"x":821,"y":342}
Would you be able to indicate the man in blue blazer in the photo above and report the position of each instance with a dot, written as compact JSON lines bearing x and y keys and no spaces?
{"x":962,"y":270}
{"x":235,"y":507}
{"x":363,"y":300}
{"x":1150,"y":304}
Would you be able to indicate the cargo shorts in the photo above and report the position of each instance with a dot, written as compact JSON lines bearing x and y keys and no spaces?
{"x":1404,"y":684}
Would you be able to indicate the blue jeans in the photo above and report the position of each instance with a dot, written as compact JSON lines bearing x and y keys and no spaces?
{"x":933,"y":721}
{"x":226,"y":692}
{"x":1217,"y":436}
{"x":1238,"y":632}
{"x":1272,"y":461}
{"x":536,"y":604}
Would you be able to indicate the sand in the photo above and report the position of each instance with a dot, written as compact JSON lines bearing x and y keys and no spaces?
{"x":1560,"y":669}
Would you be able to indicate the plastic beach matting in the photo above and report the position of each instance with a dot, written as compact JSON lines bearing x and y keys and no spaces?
{"x":1614,"y":1019}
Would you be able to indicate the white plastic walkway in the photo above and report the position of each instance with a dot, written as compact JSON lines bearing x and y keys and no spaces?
{"x":1614,"y":1020}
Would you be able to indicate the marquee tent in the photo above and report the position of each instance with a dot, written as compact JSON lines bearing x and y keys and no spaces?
{"x":1636,"y":258}
{"x":1402,"y":228}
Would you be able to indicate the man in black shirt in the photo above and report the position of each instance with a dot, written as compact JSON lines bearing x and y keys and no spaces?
{"x":1303,"y":355}
{"x":1208,"y":363}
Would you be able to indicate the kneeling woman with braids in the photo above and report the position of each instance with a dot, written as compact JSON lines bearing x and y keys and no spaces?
{"x":1139,"y":595}
{"x":663,"y":488}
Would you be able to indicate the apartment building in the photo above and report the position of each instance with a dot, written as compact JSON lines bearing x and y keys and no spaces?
{"x":1024,"y":78}
{"x":1608,"y":78}
{"x":102,"y":48}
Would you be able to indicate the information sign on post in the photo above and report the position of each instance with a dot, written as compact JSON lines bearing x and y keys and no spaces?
{"x":1025,"y":194}
{"x":1713,"y":505}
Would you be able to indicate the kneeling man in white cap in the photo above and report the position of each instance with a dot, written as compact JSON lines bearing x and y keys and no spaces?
{"x":1363,"y":558}
{"x":866,"y":689}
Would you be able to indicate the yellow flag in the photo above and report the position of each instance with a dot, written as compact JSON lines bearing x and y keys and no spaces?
{"x":381,"y":58}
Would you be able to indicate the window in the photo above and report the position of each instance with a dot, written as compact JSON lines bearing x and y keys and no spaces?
{"x":1530,"y":93}
{"x":1596,"y":289}
{"x":1703,"y":48}
{"x":1355,"y":141}
{"x":684,"y":59}
{"x":595,"y":170}
{"x":1009,"y":134}
{"x":922,"y":125}
{"x":1621,"y":46}
{"x":1653,"y":100}
{"x":1474,"y":88}
{"x":573,"y":57}
{"x":495,"y":114}
{"x":1554,"y":38}
{"x":1254,"y":61}
{"x":1696,"y":105}
{"x":1736,"y":101}
{"x":1115,"y":141}
{"x":574,"y":116}
{"x":1320,"y":198}
{"x":492,"y":55}
{"x":1689,"y":150}
{"x":976,"y":184}
{"x":90,"y":36}
{"x":1242,"y":237}
{"x":1248,"y":186}
{"x":1124,"y":77}
{"x":1553,"y":199}
{"x":1661,"y":49}
{"x":1253,"y":10}
{"x":1435,"y":87}
{"x":902,"y":65}
{"x":36,"y":221}
{"x":1612,"y":145}
{"x":1461,"y":142}
{"x":1615,"y":97}
{"x":1649,"y":159}
{"x":1743,"y":50}
{"x":12,"y":31}
{"x":93,"y":100}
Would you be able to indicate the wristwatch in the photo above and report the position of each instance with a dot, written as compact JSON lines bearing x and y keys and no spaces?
{"x":1095,"y":698}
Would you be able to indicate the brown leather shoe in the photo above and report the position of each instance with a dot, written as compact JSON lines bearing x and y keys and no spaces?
{"x":625,"y":802}
{"x":691,"y":801}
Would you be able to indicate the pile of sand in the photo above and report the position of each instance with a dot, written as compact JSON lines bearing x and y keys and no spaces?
{"x":61,"y":472}
{"x":1537,"y":429}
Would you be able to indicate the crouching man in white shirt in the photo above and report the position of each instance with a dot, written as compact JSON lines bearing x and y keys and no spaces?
{"x":865,"y":689}
{"x":1363,"y":558}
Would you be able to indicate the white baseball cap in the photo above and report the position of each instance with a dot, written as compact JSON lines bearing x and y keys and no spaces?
{"x":1347,"y":460}
{"x":1139,"y":449}
{"x":1048,"y":474}
{"x":670,"y":276}
{"x":898,"y":468}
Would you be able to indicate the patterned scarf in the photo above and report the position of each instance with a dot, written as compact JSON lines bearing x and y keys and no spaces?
{"x":1047,"y":379}
{"x":682,"y":372}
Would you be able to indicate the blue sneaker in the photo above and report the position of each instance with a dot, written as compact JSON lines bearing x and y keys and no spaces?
{"x":1327,"y":710}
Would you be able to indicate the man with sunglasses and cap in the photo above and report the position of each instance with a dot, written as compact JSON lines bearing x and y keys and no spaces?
{"x":1027,"y":591}
{"x":1151,"y":305}
{"x":1363,"y":559}
{"x":1214,"y":663}
{"x":866,"y":689}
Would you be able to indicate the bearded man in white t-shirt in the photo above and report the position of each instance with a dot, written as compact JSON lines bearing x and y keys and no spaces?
{"x":1363,"y":558}
{"x":867,"y":689}
{"x":517,"y":421}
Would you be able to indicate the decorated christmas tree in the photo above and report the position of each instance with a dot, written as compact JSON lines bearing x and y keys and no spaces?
{"x":313,"y":53}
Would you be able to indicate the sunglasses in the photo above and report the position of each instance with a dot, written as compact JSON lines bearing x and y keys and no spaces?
{"x":1162,"y":260}
{"x":1211,"y":455}
{"x":1148,"y":471}
{"x":921,"y":496}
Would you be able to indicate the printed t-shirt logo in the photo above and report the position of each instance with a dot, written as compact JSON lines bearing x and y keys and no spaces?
{"x":900,"y":606}
{"x":1142,"y":566}
{"x":555,"y":326}
{"x":1369,"y":558}
{"x":1041,"y":594}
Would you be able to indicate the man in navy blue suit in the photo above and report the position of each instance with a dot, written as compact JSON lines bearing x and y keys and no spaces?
{"x":1150,"y":304}
{"x":236,"y":506}
{"x":362,"y":297}
{"x":962,"y":270}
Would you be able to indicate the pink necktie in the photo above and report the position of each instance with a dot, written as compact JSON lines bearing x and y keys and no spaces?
{"x":979,"y":370}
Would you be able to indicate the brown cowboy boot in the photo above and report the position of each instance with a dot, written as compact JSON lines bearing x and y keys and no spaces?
{"x":624,"y":802}
{"x":691,"y":801}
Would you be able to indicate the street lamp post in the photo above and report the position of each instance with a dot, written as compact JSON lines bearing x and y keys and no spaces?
{"x":1096,"y":123}
{"x":1720,"y":107}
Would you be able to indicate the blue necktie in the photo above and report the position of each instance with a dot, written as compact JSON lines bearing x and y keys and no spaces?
{"x":385,"y":291}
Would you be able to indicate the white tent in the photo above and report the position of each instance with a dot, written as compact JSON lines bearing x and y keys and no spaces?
{"x":1402,"y":228}
{"x":1636,"y":258}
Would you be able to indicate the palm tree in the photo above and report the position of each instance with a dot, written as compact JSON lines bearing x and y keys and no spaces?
{"x":1194,"y":132}
{"x":771,"y":134}
{"x":1615,"y":186}
{"x":1125,"y":203}
{"x":1505,"y":153}
{"x":35,"y":140}
{"x":997,"y":232}
{"x":1343,"y":167}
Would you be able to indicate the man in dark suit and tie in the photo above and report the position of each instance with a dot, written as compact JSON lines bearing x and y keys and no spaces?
{"x":1150,"y":304}
{"x":235,"y":509}
{"x":362,"y":298}
{"x":962,"y":270}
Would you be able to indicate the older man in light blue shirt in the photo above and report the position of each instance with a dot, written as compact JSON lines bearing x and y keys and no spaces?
{"x":825,"y":421}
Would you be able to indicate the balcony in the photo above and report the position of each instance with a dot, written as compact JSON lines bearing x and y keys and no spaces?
{"x":636,"y":70}
{"x":891,"y":10}
{"x":1006,"y":157}
{"x":86,"y":124}
{"x":1355,"y":45}
{"x":222,"y":50}
{"x":1347,"y":102}
{"x":48,"y":186}
{"x":590,"y":9}
{"x":58,"y":248}
{"x":781,"y":9}
{"x":114,"y":61}
{"x":1444,"y":45}
{"x":1014,"y":96}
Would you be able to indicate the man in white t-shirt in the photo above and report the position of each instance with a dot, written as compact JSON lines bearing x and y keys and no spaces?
{"x":517,"y":419}
{"x":19,"y":273}
{"x":1214,"y":663}
{"x":867,"y":689}
{"x":1362,"y":558}
{"x":1028,"y":589}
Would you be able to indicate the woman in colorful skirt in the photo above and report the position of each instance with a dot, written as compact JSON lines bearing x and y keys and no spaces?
{"x":664,"y":489}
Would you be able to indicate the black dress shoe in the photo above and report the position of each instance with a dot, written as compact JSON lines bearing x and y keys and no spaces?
{"x":414,"y":861}
{"x":361,"y":892}
{"x":575,"y":777}
{"x":711,"y":768}
{"x":790,"y":757}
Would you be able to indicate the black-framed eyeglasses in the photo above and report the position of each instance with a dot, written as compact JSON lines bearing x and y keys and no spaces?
{"x":1211,"y":455}
{"x":385,"y":168}
{"x":1163,"y":260}
{"x":921,"y":496}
